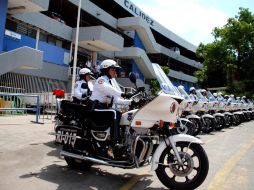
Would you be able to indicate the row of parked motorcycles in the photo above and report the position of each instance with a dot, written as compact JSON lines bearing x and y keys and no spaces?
{"x":157,"y":131}
{"x":208,"y":112}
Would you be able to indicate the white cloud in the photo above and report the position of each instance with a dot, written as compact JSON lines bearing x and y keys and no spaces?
{"x":187,"y":18}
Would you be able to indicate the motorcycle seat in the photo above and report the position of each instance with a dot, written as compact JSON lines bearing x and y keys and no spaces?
{"x":69,"y":107}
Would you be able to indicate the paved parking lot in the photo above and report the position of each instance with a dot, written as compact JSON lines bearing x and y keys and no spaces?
{"x":29,"y":159}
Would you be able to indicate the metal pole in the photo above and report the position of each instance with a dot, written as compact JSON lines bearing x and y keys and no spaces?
{"x":75,"y":51}
{"x":37,"y":109}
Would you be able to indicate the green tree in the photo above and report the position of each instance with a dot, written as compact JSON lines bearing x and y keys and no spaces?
{"x":229,"y":60}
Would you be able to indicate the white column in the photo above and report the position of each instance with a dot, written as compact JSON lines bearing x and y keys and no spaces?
{"x":37,"y":38}
{"x":94,"y":56}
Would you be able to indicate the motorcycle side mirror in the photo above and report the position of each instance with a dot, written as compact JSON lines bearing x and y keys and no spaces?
{"x":133,"y":78}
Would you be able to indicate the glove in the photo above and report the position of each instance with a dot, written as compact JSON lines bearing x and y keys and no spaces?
{"x":89,"y":93}
{"x":134,"y":104}
{"x":126,"y":95}
{"x":141,"y":89}
{"x":83,"y":96}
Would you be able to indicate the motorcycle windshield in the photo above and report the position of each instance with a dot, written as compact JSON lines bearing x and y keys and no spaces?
{"x":184,"y":94}
{"x":211,"y":97}
{"x":163,"y":79}
{"x":115,"y":84}
{"x":200,"y":96}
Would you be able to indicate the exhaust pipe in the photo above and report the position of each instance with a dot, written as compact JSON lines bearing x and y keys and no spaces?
{"x":81,"y":157}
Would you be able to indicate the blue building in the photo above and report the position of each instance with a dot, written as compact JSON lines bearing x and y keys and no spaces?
{"x":37,"y":43}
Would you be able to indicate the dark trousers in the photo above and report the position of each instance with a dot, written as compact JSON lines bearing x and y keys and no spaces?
{"x":116,"y":117}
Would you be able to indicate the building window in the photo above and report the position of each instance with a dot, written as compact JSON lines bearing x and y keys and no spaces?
{"x":51,"y":40}
{"x":43,"y":37}
{"x":11,"y":25}
{"x":59,"y":43}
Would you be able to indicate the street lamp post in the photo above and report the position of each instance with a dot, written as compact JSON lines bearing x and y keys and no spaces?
{"x":75,"y":51}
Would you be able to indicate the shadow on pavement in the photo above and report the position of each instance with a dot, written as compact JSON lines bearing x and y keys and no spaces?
{"x":95,"y":178}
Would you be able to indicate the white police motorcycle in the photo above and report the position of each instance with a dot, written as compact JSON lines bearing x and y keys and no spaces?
{"x":179,"y":161}
{"x":187,"y":112}
{"x":213,"y":106}
{"x":201,"y":109}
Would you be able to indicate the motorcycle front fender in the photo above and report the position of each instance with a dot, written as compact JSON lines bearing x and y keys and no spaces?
{"x":238,"y":113}
{"x":162,"y":146}
{"x":228,"y":113}
{"x":218,"y":114}
{"x":184,"y":119}
{"x":192,"y":116}
{"x":207,"y":115}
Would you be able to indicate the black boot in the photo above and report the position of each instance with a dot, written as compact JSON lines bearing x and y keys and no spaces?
{"x":119,"y":150}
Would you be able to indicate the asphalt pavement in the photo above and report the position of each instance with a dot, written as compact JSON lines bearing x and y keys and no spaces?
{"x":29,"y":159}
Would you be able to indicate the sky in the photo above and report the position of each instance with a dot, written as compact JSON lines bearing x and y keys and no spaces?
{"x":193,"y":20}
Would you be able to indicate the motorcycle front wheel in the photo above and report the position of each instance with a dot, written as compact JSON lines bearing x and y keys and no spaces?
{"x":220,"y":123}
{"x":186,"y":127}
{"x":197,"y":126}
{"x":208,"y":125}
{"x":188,"y":176}
{"x":229,"y":120}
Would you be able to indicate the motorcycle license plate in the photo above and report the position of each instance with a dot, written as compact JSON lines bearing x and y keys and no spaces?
{"x":66,"y":137}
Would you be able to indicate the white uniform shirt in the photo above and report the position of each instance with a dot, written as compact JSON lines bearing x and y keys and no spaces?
{"x":193,"y":97}
{"x":78,"y":91}
{"x":88,"y":64}
{"x":103,"y":91}
{"x":220,"y":99}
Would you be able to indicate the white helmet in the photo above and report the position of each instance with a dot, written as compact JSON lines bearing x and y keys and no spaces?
{"x":192,"y":88}
{"x":215,"y":94}
{"x":108,"y":63}
{"x":203,"y":90}
{"x":85,"y":71}
{"x":181,"y":87}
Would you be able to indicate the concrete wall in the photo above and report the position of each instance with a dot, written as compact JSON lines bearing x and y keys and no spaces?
{"x":24,"y":58}
{"x":3,"y":12}
{"x":48,"y":70}
{"x":52,"y":54}
{"x":46,"y":23}
{"x":42,"y":3}
{"x":137,"y":12}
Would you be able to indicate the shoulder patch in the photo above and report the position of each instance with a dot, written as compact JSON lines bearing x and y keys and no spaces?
{"x":101,"y":81}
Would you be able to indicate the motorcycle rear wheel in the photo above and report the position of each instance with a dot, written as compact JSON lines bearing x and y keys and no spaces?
{"x":77,"y":164}
{"x":186,"y":177}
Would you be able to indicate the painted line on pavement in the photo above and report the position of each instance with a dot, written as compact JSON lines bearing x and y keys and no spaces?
{"x":135,"y":179}
{"x":220,"y":177}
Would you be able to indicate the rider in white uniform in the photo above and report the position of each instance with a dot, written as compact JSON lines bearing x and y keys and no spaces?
{"x":193,"y":95}
{"x":105,"y":93}
{"x":204,"y":93}
{"x":83,"y":87}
